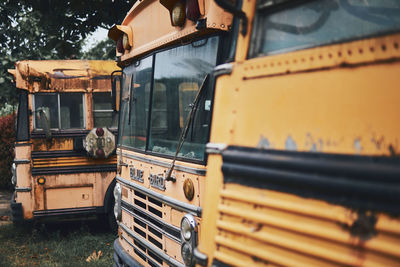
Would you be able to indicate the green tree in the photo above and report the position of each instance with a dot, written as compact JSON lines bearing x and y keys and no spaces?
{"x":50,"y":29}
{"x":102,"y":50}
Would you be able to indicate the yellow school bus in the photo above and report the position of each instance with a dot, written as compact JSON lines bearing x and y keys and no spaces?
{"x":167,"y":51}
{"x":65,"y":160}
{"x":303,"y":159}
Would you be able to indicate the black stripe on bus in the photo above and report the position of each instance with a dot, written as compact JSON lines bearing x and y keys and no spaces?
{"x":359,"y":182}
{"x":38,"y":134}
{"x":74,"y":169}
{"x":57,"y":154}
{"x":59,"y":134}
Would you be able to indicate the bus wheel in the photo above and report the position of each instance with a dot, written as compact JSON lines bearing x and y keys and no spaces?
{"x":110,"y":217}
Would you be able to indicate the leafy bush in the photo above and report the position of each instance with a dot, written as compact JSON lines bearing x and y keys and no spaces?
{"x":7,"y":109}
{"x":7,"y":139}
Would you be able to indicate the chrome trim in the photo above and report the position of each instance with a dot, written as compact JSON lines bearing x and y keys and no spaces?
{"x":182,"y":206}
{"x":162,"y":231}
{"x":117,"y":202}
{"x":23,"y":189}
{"x":200,"y":258}
{"x":21,"y":161}
{"x":177,"y":167}
{"x":137,"y":251}
{"x":223,"y":69}
{"x":158,"y":252}
{"x":215,"y":148}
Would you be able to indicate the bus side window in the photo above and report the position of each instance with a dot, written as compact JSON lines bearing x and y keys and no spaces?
{"x":48,"y":104}
{"x":71,"y":109}
{"x":102,"y":110}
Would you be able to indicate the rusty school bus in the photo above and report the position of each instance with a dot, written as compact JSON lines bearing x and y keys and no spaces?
{"x":303,"y":166}
{"x":166,"y":49}
{"x":64,"y":151}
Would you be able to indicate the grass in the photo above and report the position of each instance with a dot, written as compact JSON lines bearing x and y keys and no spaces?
{"x":63,"y":244}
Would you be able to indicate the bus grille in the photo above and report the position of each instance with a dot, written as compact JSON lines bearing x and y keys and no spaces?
{"x":148,"y":223}
{"x":260,"y":227}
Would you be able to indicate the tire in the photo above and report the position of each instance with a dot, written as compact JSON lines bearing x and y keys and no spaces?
{"x":110,"y":218}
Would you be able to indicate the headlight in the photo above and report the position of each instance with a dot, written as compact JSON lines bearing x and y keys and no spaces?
{"x":187,"y":254}
{"x":117,"y":198}
{"x":14,"y":174}
{"x":188,"y":238}
{"x":186,"y":229}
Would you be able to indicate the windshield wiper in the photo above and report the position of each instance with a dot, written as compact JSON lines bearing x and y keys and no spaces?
{"x":184,"y":132}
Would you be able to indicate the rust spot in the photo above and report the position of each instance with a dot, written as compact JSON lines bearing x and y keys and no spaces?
{"x":363,"y":227}
{"x":392,"y":151}
{"x":378,"y":142}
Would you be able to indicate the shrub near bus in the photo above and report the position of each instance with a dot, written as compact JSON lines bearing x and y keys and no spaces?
{"x":64,"y":164}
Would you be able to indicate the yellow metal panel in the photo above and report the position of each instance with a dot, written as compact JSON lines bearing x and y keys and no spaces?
{"x":335,"y":99}
{"x":77,"y":197}
{"x":276,"y":222}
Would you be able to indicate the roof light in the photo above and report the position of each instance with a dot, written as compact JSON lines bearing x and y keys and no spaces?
{"x":125,"y":42}
{"x":178,"y":14}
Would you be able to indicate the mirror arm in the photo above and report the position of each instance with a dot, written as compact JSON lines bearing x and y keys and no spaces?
{"x":114,"y":89}
{"x":228,"y":6}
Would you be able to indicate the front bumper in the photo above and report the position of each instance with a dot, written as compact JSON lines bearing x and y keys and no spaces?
{"x":16,"y":211}
{"x":122,"y":258}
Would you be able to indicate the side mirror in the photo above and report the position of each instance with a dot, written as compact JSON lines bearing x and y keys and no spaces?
{"x":44,"y":123}
{"x":115,"y":89}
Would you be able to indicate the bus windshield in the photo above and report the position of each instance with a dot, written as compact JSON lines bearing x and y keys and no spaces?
{"x":162,"y":87}
{"x":314,"y":23}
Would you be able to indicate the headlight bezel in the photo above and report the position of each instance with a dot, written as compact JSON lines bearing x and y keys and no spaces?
{"x":188,"y":239}
{"x":14,"y":174}
{"x":117,"y":201}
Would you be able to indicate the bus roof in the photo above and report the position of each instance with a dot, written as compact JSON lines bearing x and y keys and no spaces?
{"x":148,"y":25}
{"x":62,"y":75}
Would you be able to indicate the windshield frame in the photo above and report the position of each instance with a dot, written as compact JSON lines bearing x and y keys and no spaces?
{"x":212,"y":92}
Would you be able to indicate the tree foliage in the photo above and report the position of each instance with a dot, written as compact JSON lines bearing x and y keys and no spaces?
{"x":102,"y":50}
{"x":50,"y":29}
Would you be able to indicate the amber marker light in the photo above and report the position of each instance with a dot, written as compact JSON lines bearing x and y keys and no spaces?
{"x":41,"y":180}
{"x":188,"y":189}
{"x":178,"y":14}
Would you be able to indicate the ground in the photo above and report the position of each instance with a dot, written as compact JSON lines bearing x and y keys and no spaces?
{"x":79,"y":243}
